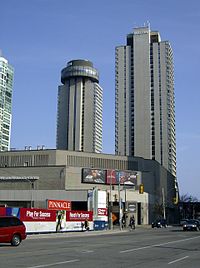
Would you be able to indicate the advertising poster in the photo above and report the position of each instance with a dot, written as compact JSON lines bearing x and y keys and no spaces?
{"x":9,"y":211}
{"x":42,"y":220}
{"x":38,"y":220}
{"x":102,"y":212}
{"x":60,"y":220}
{"x":93,"y":175}
{"x":13,"y":212}
{"x":111,"y":177}
{"x":2,"y":211}
{"x":127,"y":177}
{"x":76,"y":221}
{"x":77,"y":215}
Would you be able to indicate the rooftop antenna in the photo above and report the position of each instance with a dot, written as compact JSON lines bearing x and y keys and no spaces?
{"x":148,"y":24}
{"x":1,"y":53}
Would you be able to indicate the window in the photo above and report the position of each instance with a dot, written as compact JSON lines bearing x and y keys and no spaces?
{"x":15,"y":222}
{"x":4,"y":222}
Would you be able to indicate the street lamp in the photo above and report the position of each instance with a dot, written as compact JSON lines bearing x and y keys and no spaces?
{"x":120,"y":208}
{"x":163,"y":201}
{"x":31,"y":181}
{"x":111,"y":177}
{"x":129,"y":183}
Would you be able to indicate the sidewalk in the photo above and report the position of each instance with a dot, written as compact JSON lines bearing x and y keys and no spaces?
{"x":115,"y":230}
{"x":74,"y":234}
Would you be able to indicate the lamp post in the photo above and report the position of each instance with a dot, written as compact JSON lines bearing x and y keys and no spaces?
{"x":163,"y":201}
{"x":110,"y":209}
{"x":112,"y":176}
{"x":32,"y":188}
{"x":120,"y":216}
{"x":31,"y":183}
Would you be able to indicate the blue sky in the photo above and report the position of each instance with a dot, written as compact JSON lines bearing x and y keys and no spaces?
{"x":39,"y":37}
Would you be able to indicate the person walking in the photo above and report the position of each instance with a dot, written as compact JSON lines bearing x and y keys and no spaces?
{"x":123,"y":222}
{"x":87,"y":225}
{"x":132,"y":222}
{"x":59,"y":221}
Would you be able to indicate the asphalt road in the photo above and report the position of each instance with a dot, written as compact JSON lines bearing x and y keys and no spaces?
{"x":143,"y":247}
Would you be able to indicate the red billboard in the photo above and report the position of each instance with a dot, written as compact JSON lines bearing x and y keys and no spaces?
{"x":37,"y":214}
{"x":111,"y":177}
{"x":59,"y":205}
{"x":79,"y":215}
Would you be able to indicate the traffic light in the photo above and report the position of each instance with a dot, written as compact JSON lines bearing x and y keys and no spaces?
{"x":175,"y":200}
{"x":141,"y":188}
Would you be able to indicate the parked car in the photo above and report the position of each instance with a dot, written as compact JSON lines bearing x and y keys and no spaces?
{"x":12,"y":230}
{"x":183,"y":221}
{"x":159,"y":223}
{"x":191,"y":225}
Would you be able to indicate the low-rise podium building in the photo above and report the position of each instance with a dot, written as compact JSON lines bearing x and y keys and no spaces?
{"x":29,"y":178}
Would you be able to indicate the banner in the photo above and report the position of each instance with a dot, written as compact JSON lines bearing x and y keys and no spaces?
{"x":75,"y":221}
{"x":37,"y":214}
{"x":79,"y":215}
{"x":59,"y":204}
{"x":42,"y":220}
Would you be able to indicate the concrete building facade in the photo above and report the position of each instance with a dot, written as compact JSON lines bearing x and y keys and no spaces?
{"x":144,"y":98}
{"x":6,"y":88}
{"x":33,"y":177}
{"x":80,"y":108}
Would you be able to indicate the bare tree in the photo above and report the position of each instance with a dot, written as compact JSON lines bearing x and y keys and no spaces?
{"x":188,"y":198}
{"x":158,"y":209}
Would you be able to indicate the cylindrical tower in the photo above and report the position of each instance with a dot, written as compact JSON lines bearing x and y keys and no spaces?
{"x":79,"y":117}
{"x":81,"y":68}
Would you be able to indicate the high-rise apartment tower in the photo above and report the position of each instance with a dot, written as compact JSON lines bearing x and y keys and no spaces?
{"x":144,"y":98}
{"x":80,"y":103}
{"x":6,"y":85}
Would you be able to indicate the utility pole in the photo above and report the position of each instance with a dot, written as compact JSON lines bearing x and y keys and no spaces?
{"x":120,"y":216}
{"x":110,"y":208}
{"x":163,"y":201}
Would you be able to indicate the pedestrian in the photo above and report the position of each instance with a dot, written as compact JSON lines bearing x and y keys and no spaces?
{"x":82,"y":225}
{"x":123,"y":222}
{"x":87,"y":225}
{"x":59,"y":220}
{"x":132,"y":222}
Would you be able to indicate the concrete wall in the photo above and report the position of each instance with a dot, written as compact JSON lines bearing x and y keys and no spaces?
{"x":66,"y":175}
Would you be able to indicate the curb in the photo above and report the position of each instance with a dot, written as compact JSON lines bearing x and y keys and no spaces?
{"x":74,"y":234}
{"x":85,"y":233}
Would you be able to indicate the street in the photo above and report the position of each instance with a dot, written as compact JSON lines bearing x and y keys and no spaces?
{"x":143,"y":247}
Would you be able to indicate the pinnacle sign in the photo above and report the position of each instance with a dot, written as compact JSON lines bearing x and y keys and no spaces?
{"x":59,"y":205}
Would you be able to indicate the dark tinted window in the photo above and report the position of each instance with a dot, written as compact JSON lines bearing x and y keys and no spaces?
{"x":9,"y":221}
{"x":4,"y":222}
{"x":15,"y":222}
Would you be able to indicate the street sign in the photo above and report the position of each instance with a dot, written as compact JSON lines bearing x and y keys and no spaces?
{"x":131,"y":207}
